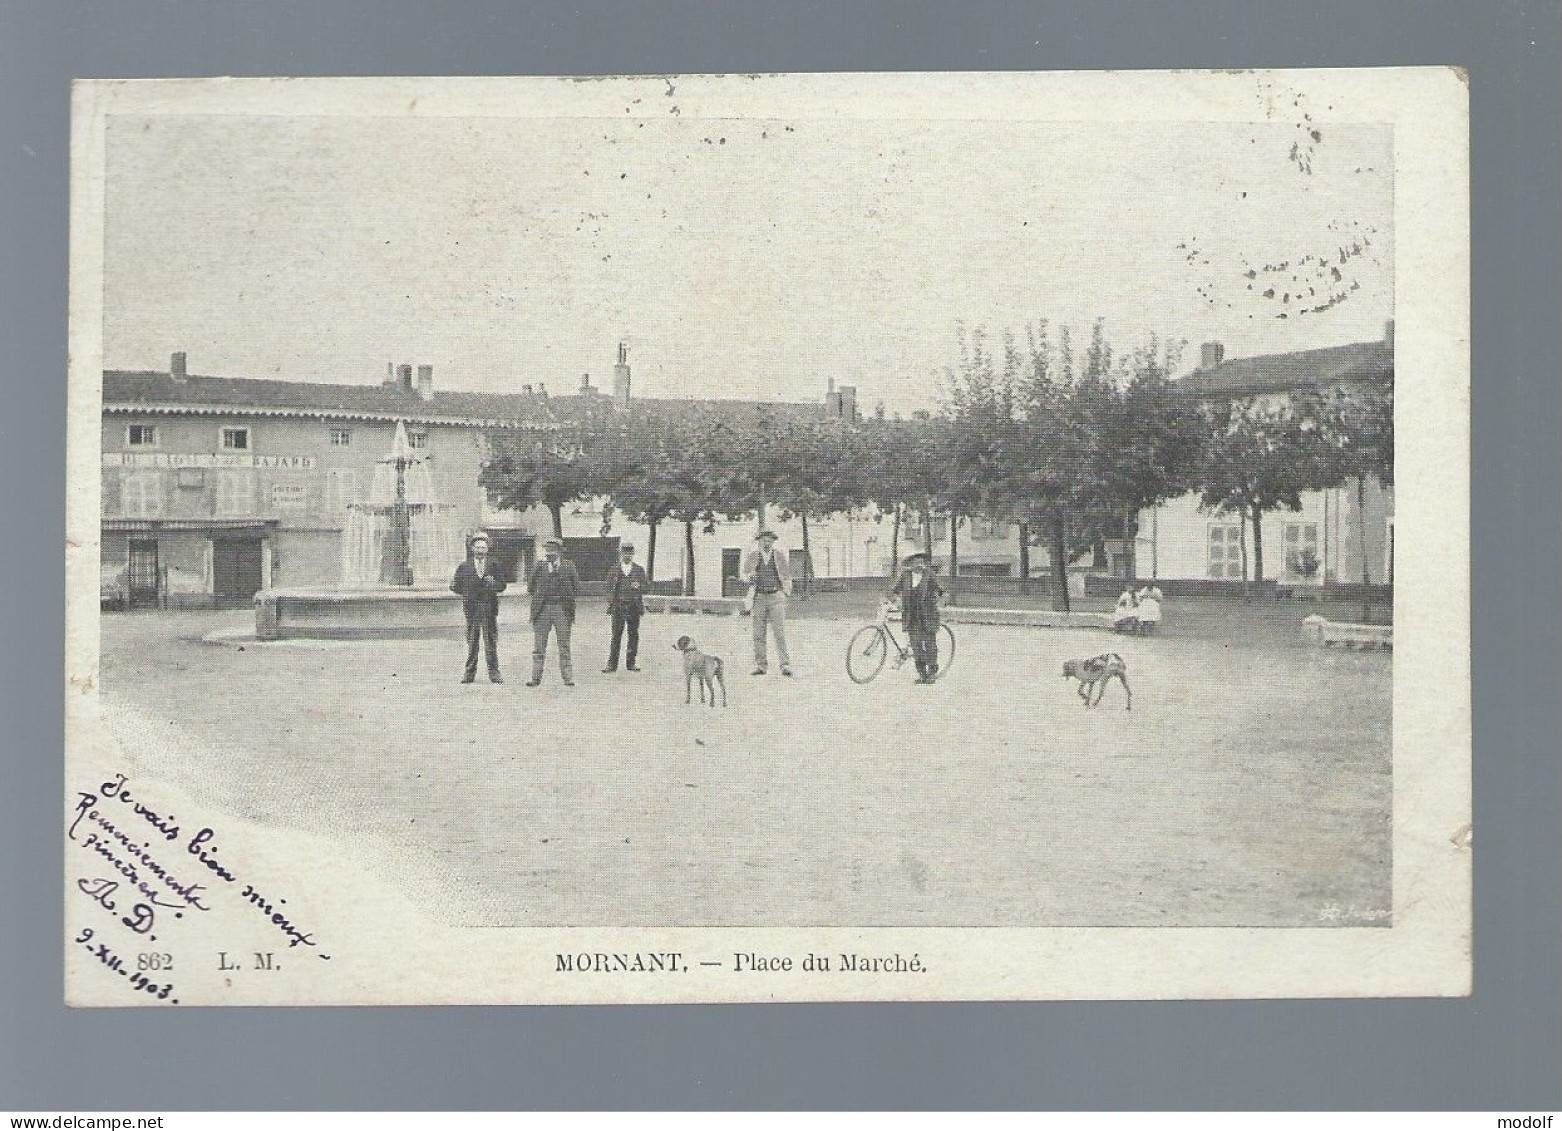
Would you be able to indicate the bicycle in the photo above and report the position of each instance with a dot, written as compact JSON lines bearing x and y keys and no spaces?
{"x":872,"y":644}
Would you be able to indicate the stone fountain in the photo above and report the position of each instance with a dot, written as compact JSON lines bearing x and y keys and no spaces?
{"x":399,"y":551}
{"x":403,"y":536}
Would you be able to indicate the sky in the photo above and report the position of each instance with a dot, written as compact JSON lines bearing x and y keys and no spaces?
{"x":742,"y":258}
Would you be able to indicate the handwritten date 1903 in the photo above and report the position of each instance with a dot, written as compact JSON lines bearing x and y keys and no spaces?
{"x":112,"y":961}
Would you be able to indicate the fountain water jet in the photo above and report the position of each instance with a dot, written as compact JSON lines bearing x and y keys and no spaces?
{"x":399,"y":549}
{"x":403,"y":535}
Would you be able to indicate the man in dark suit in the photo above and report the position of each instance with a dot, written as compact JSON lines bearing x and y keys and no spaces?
{"x":919,"y":592}
{"x":554,"y":586}
{"x":479,"y":586}
{"x":627,"y":584}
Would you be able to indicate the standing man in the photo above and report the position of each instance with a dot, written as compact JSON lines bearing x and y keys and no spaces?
{"x":765,"y":570}
{"x":554,"y":587}
{"x":919,"y":592}
{"x":627,"y":584}
{"x":479,"y":587}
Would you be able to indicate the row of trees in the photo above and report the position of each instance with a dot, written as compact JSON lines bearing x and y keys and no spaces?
{"x":1069,"y":444}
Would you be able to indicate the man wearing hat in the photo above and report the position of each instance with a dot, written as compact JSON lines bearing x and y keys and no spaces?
{"x":919,"y":592}
{"x":554,"y":587}
{"x":765,"y":571}
{"x":627,"y":584}
{"x":479,"y":586}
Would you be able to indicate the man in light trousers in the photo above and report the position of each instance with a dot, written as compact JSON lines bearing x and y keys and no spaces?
{"x":765,"y":572}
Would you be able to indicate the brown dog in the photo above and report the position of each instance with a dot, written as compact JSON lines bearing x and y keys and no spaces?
{"x":1095,"y":673}
{"x":698,"y":666}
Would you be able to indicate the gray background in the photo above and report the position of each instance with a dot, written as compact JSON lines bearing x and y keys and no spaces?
{"x":1498,"y":1050}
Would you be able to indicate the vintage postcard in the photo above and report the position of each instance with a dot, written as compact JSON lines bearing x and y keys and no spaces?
{"x":768,"y":538}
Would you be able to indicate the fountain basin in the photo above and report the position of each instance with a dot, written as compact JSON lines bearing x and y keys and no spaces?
{"x":348,"y":614}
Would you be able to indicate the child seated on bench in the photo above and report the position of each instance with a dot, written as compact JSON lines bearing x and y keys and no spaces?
{"x":1125,"y":617}
{"x":1149,"y":608}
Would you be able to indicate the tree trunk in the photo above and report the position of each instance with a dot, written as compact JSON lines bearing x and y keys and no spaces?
{"x":1361,"y":527}
{"x":808,"y":558}
{"x":556,"y":510}
{"x":954,"y":557}
{"x":1055,"y":546}
{"x":894,"y":544}
{"x":1131,"y":544}
{"x":650,"y":551}
{"x":1258,"y":545}
{"x":1242,"y":538}
{"x":927,"y":534}
{"x":688,"y":559}
{"x":1024,"y":556}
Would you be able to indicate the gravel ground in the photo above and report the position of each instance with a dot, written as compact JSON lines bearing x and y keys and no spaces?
{"x":1249,"y":786}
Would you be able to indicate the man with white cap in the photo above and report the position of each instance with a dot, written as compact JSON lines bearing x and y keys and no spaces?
{"x":554,"y":586}
{"x":626,"y":586}
{"x":764,"y":570}
{"x":479,"y":586}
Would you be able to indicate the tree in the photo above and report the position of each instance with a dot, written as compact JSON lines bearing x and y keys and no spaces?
{"x":642,"y":475}
{"x":820,"y":475}
{"x":1261,"y":459}
{"x":901,"y":469}
{"x":1152,"y":443}
{"x":980,"y":409}
{"x":1049,"y":451}
{"x":1361,"y":440}
{"x":547,"y":467}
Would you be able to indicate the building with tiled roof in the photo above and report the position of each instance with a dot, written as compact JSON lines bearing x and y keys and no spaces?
{"x":1332,"y":536}
{"x":1351,"y":365}
{"x":215,"y":487}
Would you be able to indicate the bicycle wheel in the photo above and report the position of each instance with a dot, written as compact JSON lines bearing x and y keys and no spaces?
{"x":866,"y":653}
{"x":946,"y":650}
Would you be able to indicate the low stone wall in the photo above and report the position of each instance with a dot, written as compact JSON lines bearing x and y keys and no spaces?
{"x":330,"y":614}
{"x":1325,"y":632}
{"x":1025,"y":618}
{"x":677,"y":603}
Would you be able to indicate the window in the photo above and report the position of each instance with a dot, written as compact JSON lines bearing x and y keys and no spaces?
{"x":989,"y":530}
{"x":236,"y":493}
{"x":341,"y":437}
{"x":1225,"y":551}
{"x":141,"y":494}
{"x":417,"y":439}
{"x":235,"y":439}
{"x":1301,"y":550}
{"x":141,"y":436}
{"x":341,"y":488}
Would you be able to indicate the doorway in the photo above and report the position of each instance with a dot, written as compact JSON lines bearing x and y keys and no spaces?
{"x":142,"y":583}
{"x":236,"y":571}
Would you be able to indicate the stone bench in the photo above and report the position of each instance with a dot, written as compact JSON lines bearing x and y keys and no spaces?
{"x":1326,"y":632}
{"x":716,"y":606}
{"x":1024,"y":618}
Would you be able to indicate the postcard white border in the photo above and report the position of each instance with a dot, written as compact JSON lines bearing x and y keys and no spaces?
{"x":389,"y":954}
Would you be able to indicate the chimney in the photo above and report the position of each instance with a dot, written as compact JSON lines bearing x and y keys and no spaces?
{"x":542,"y":390}
{"x":585,"y":386}
{"x":1211,"y":354}
{"x":621,"y":378}
{"x":846,"y":403}
{"x":176,"y":368}
{"x":1388,"y":333}
{"x":426,"y":382}
{"x":404,"y":377}
{"x":527,"y":389}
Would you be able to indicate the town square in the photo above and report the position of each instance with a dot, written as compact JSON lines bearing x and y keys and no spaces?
{"x":656,"y":534}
